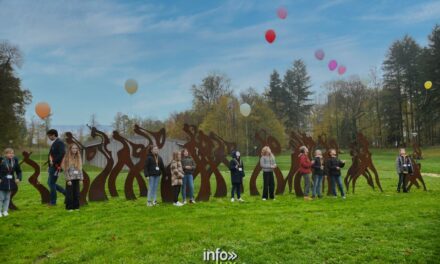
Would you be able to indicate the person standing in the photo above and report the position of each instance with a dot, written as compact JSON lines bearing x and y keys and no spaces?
{"x":236,"y":167}
{"x":72,"y":166}
{"x":10,"y":176}
{"x":188,"y":179}
{"x":404,"y":167}
{"x":153,"y":169}
{"x":333,"y":166}
{"x":268,"y":164}
{"x":318,"y":174}
{"x":56,"y":155}
{"x":176,"y":177}
{"x":305,"y":169}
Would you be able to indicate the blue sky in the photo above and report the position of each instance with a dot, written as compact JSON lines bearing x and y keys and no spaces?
{"x":78,"y":54}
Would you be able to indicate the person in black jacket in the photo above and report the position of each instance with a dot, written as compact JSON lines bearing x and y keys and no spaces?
{"x":10,"y":176}
{"x":56,"y":155}
{"x":333,"y":166}
{"x":237,"y":173}
{"x":318,"y":173}
{"x":404,"y":167}
{"x":153,"y":168}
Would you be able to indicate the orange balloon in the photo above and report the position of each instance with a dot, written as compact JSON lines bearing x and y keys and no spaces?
{"x":42,"y":109}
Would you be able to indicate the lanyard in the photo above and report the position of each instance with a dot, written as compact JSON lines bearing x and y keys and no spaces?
{"x":11,"y":166}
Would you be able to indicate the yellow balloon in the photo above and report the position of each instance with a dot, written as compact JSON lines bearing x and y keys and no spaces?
{"x":428,"y":85}
{"x":131,"y":86}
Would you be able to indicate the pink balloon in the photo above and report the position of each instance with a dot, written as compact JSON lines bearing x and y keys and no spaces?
{"x":342,"y":69}
{"x":282,"y":13}
{"x":319,"y":54}
{"x":332,"y":65}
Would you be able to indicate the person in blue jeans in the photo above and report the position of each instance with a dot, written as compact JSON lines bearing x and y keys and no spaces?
{"x":318,"y":173}
{"x":153,"y":169}
{"x":333,"y":166}
{"x":188,"y":179}
{"x":56,"y":155}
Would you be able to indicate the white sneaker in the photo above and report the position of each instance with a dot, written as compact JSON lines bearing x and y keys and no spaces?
{"x":192,"y":201}
{"x":343,"y":197}
{"x":232,"y":199}
{"x":180,"y":203}
{"x":184,"y":202}
{"x":155,"y":203}
{"x":264,"y":199}
{"x":70,"y":210}
{"x":177,"y":204}
{"x":240,"y":200}
{"x":5,"y":213}
{"x":149,"y":204}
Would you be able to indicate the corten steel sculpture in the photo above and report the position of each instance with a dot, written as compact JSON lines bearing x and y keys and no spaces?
{"x":417,"y":151}
{"x":70,"y":139}
{"x":416,"y":177}
{"x":203,"y":150}
{"x":140,"y":151}
{"x":97,"y":188}
{"x":33,"y":179}
{"x":265,"y":139}
{"x":362,"y":164}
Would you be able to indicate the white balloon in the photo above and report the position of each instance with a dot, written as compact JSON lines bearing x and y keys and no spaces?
{"x":245,"y":109}
{"x":131,"y":86}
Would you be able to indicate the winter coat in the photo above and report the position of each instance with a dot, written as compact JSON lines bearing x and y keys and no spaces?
{"x":316,"y":167}
{"x":236,"y":167}
{"x":176,"y":173}
{"x":304,"y":164}
{"x":266,"y":163}
{"x":331,"y":165}
{"x":153,"y":166}
{"x":57,"y":152}
{"x":9,"y":171}
{"x":404,"y":165}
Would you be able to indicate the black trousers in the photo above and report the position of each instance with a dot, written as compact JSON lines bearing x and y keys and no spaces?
{"x":402,"y":182}
{"x":72,"y":195}
{"x":268,"y":185}
{"x":176,"y":189}
{"x":236,"y":187}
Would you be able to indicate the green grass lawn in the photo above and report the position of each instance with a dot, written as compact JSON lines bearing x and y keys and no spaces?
{"x":368,"y":226}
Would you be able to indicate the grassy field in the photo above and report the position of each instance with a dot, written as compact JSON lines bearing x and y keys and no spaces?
{"x":368,"y":226}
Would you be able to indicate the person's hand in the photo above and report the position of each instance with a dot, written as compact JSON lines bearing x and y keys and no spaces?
{"x":322,"y":167}
{"x":0,"y":181}
{"x":343,"y":161}
{"x":69,"y":183}
{"x":274,"y":166}
{"x":188,"y":167}
{"x":313,"y":161}
{"x":17,"y":181}
{"x":338,"y":168}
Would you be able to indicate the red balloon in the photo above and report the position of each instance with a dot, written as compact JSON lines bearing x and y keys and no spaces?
{"x":270,"y":35}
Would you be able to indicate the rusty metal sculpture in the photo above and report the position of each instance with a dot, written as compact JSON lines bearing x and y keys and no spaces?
{"x":416,"y":177}
{"x":417,"y":151}
{"x":265,"y":139}
{"x":33,"y":179}
{"x":97,"y":188}
{"x":208,"y":153}
{"x":362,"y":164}
{"x":70,"y":139}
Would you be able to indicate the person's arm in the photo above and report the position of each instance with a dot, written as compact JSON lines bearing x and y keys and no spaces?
{"x":2,"y":171}
{"x":146,"y":165}
{"x":398,"y":164}
{"x":162,"y":166}
{"x":58,"y":153}
{"x":242,"y":165}
{"x":232,"y":165}
{"x":341,"y":164}
{"x":18,"y":170}
{"x":262,"y":165}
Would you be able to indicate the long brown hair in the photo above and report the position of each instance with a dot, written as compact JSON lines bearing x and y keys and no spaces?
{"x":72,"y":159}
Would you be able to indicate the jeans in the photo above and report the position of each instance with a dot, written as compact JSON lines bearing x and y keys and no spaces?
{"x":72,"y":195}
{"x":53,"y":186}
{"x":306,"y":184}
{"x":153,"y":183}
{"x":5,"y":198}
{"x":337,"y":180}
{"x":236,"y":187}
{"x":176,"y":189}
{"x":317,"y":185}
{"x":402,"y":182}
{"x":188,"y":181}
{"x":268,"y":184}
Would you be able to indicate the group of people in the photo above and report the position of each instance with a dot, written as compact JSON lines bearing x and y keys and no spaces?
{"x":182,"y":169}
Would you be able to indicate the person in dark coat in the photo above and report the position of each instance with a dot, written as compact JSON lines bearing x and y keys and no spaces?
{"x":153,"y":169}
{"x":10,"y":176}
{"x":333,"y":167}
{"x":404,"y":167}
{"x":236,"y":167}
{"x":56,"y":155}
{"x":318,"y":173}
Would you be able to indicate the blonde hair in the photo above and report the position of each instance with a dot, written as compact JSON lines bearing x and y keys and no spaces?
{"x":72,"y":159}
{"x":8,"y":150}
{"x":266,"y":151}
{"x":176,"y":156}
